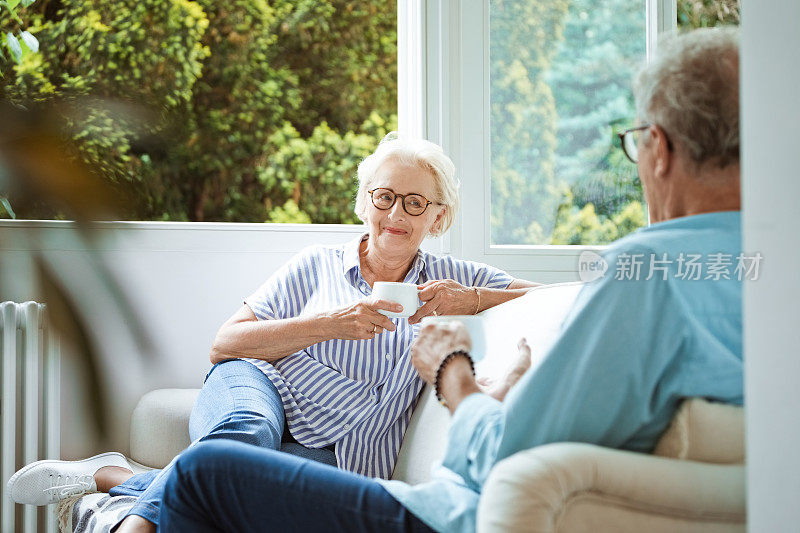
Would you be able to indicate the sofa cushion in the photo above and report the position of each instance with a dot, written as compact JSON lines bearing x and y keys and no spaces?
{"x":424,"y":441}
{"x":705,"y":431}
{"x":160,"y":426}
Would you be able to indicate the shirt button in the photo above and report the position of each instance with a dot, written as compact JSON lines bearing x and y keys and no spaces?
{"x":346,"y":427}
{"x":388,"y":356}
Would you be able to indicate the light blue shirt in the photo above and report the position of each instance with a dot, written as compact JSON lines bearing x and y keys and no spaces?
{"x":629,"y":352}
{"x":358,"y":394}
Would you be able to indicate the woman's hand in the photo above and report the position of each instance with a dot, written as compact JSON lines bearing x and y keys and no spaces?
{"x":445,"y":297}
{"x":433,"y":344}
{"x":361,"y":320}
{"x":498,"y":389}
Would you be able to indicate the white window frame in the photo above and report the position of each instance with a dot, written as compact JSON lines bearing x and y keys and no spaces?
{"x":443,"y":95}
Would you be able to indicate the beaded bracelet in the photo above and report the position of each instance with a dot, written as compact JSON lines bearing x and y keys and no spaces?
{"x":445,"y":361}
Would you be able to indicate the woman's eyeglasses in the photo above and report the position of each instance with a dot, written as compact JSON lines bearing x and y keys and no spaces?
{"x":413,"y":204}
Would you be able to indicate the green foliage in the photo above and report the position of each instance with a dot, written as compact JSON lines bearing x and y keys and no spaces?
{"x":145,"y":51}
{"x":584,"y":225}
{"x":558,"y":174}
{"x":236,"y":87}
{"x":591,"y":79}
{"x":344,"y":54}
{"x":15,"y":42}
{"x":591,"y":82}
{"x":289,"y":213}
{"x":148,"y":52}
{"x":318,"y":174}
{"x":523,"y":117}
{"x":708,"y":13}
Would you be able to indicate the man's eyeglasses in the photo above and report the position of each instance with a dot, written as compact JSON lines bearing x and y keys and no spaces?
{"x":413,"y":204}
{"x":630,"y":142}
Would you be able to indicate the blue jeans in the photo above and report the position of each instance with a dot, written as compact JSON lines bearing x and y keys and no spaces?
{"x":230,"y":486}
{"x":237,"y":403}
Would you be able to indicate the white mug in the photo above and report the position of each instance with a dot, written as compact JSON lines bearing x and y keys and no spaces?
{"x":405,"y":294}
{"x":475,"y":327}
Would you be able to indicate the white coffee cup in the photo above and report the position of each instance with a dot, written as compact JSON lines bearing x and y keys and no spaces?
{"x":405,"y":294}
{"x":475,"y":327}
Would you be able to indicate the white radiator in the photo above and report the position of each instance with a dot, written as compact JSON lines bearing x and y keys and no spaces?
{"x":29,"y":413}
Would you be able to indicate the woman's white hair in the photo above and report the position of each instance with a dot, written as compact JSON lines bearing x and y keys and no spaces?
{"x":691,"y":90}
{"x":412,"y":152}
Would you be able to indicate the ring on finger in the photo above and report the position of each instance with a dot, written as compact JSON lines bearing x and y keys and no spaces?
{"x":435,"y":313}
{"x":374,"y":328}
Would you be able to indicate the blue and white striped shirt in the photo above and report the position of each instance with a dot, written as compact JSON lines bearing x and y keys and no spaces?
{"x":356,"y":394}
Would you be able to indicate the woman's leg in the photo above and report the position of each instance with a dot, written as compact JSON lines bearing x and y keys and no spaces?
{"x":229,"y":486}
{"x":237,"y":402}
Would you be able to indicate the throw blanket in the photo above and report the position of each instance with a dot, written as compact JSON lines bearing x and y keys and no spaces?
{"x":92,"y":513}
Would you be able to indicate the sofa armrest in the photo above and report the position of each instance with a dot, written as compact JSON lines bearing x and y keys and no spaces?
{"x":582,"y":487}
{"x":160,"y":426}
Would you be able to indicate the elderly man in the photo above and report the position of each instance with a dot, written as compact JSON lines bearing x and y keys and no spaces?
{"x":663,"y":324}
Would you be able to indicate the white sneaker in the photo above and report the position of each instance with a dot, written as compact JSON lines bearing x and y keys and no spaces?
{"x":49,"y":481}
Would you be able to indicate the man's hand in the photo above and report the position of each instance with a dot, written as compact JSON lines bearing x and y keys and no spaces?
{"x":498,"y":389}
{"x":433,"y":344}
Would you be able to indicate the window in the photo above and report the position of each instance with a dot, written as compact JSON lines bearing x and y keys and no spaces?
{"x":262,"y":109}
{"x":560,"y":90}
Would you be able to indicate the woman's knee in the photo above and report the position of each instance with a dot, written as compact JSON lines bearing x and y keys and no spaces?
{"x":239,"y":403}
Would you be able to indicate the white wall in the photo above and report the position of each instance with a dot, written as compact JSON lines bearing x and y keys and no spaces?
{"x":771,"y":191}
{"x":183,"y":280}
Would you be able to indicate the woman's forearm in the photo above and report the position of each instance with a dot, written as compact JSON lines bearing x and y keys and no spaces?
{"x":268,"y":339}
{"x":491,"y":297}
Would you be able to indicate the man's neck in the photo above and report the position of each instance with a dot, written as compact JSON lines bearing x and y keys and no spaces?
{"x":709,"y":191}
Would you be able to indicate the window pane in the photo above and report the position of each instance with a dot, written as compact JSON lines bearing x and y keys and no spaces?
{"x":262,"y":110}
{"x":560,"y":91}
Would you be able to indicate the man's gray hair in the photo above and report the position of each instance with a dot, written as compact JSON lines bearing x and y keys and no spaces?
{"x":412,"y":152}
{"x":691,"y":90}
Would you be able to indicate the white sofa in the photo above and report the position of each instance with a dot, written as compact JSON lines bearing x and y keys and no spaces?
{"x":697,"y":483}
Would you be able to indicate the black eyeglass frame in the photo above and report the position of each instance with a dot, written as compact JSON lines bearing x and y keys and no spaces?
{"x":624,"y":134}
{"x":403,"y":202}
{"x":633,"y":130}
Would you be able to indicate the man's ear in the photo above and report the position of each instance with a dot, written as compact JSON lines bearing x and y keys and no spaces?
{"x":662,"y":154}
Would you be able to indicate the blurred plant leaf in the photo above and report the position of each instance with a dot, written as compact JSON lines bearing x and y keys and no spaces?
{"x":14,"y":47}
{"x":66,"y":319}
{"x":43,"y":166}
{"x":7,"y":207}
{"x":30,"y":41}
{"x":39,"y":163}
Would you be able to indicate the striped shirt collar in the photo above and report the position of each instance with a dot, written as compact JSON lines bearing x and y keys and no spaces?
{"x":351,"y":264}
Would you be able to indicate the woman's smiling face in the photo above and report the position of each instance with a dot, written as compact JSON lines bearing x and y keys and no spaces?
{"x":393,"y":231}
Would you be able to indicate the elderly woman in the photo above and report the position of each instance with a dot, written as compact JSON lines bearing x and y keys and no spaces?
{"x":309,"y":359}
